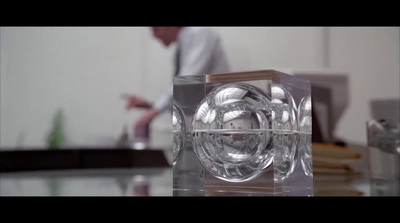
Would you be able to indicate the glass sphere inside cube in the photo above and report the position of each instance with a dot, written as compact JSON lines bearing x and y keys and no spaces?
{"x":178,"y":130}
{"x":232,"y":132}
{"x":286,"y":137}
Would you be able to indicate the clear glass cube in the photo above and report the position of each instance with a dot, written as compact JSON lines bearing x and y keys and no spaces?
{"x":242,"y":134}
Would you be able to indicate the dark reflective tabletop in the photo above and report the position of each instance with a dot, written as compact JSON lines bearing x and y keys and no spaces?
{"x":158,"y":182}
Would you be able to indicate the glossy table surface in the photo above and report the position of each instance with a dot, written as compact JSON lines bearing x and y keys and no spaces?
{"x":153,"y":182}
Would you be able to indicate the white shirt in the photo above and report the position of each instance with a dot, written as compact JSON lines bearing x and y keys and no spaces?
{"x":201,"y":52}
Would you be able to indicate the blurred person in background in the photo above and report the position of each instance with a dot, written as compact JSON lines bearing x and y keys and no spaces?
{"x":198,"y":51}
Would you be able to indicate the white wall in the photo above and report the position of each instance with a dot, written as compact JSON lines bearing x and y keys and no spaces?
{"x":82,"y":70}
{"x":251,"y":48}
{"x":371,"y":57}
{"x":85,"y":69}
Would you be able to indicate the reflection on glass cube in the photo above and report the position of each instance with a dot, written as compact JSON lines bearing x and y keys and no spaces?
{"x":242,"y":133}
{"x":179,"y":129}
{"x":232,"y":136}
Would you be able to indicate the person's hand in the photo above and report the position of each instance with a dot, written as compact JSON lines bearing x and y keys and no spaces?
{"x":133,"y":101}
{"x":146,"y":118}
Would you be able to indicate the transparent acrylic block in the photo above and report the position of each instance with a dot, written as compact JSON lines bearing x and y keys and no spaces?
{"x":242,"y":134}
{"x":383,"y":138}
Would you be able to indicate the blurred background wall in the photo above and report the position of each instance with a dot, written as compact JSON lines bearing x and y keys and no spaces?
{"x":84,"y":70}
